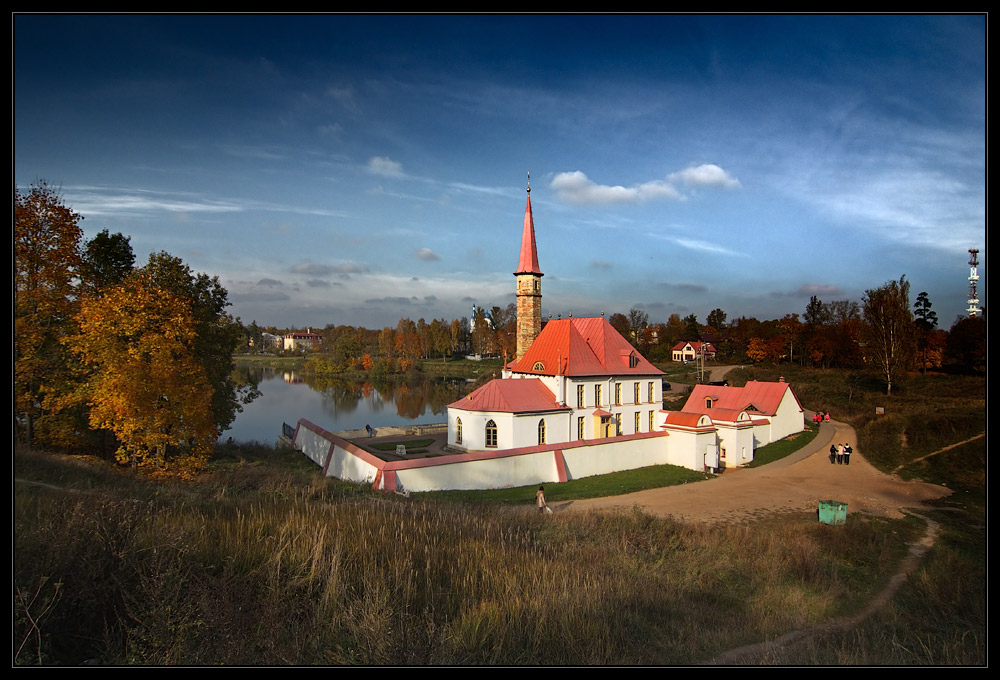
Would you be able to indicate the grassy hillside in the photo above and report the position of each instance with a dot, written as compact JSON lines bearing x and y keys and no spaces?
{"x":262,"y":561}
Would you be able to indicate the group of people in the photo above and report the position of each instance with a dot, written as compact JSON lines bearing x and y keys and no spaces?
{"x":820,"y":417}
{"x":840,"y":454}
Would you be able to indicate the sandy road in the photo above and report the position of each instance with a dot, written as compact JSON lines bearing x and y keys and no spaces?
{"x":793,"y":484}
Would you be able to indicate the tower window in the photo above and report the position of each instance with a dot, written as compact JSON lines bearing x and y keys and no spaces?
{"x":541,"y":431}
{"x":458,"y":430}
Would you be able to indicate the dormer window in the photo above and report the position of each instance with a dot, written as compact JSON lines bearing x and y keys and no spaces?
{"x":633,"y":361}
{"x":708,"y":402}
{"x":539,"y":366}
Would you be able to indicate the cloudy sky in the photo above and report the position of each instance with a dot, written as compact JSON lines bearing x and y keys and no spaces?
{"x":359,"y":169}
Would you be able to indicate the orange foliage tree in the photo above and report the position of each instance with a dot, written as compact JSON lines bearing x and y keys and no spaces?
{"x":146,"y":385}
{"x":46,"y":257}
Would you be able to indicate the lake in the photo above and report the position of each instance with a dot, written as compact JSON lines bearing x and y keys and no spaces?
{"x":286,"y":396}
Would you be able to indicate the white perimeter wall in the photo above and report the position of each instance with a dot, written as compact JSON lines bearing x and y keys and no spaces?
{"x":503,"y":469}
{"x":343,"y":463}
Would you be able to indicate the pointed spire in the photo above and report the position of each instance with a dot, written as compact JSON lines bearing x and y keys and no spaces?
{"x":528,"y":264}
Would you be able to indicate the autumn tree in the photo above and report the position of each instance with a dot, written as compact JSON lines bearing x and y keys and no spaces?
{"x":505,"y":329}
{"x":46,"y":258}
{"x":888,"y":331}
{"x":147,"y":385}
{"x":217,"y":333}
{"x":620,"y":323}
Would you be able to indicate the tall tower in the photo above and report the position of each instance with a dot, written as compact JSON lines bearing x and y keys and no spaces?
{"x":973,"y":280}
{"x":529,"y":285}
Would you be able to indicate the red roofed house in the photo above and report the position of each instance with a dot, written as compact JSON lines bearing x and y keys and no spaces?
{"x":746,"y":417}
{"x":689,"y":351}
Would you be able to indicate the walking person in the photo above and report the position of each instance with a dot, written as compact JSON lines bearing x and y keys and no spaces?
{"x":833,"y":454}
{"x":540,"y":500}
{"x":827,"y":417}
{"x":840,"y":454}
{"x":847,"y":454}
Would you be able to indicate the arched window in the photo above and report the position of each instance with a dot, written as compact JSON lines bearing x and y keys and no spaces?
{"x":458,"y":430}
{"x":539,"y":366}
{"x":491,"y":435}
{"x":541,"y":431}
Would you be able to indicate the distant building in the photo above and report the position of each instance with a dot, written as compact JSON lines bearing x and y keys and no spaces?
{"x":690,"y":350}
{"x":302,"y":341}
{"x":271,"y":341}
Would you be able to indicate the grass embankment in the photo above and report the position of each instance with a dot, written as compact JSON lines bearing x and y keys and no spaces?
{"x":262,"y":561}
{"x":264,"y":361}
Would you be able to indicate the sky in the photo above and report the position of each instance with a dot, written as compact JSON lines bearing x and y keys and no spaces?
{"x":356,"y":170}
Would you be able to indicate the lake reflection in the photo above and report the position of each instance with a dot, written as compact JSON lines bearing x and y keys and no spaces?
{"x":285,"y":396}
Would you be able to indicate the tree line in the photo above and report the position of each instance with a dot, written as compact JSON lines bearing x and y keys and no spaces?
{"x":110,"y":355}
{"x":882,"y":333}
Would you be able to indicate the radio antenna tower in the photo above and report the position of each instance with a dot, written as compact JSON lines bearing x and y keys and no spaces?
{"x":973,"y":279}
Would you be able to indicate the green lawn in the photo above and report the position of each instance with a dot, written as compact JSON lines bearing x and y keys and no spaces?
{"x":784,"y":447}
{"x":614,"y":484}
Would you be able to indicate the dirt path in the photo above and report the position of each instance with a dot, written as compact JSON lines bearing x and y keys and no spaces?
{"x":763,"y":651}
{"x":794,"y":484}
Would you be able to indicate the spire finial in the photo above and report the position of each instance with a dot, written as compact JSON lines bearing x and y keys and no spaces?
{"x":529,"y":181}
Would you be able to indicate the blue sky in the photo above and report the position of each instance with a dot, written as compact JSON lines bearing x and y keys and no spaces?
{"x":359,"y":169}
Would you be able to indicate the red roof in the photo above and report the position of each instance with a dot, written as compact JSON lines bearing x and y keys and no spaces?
{"x":510,"y":396}
{"x":528,"y":263}
{"x":758,"y":397}
{"x":684,"y":419}
{"x":695,"y":345}
{"x":587,"y":346}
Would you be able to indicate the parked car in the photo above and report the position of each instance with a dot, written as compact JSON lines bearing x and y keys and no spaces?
{"x":719,"y":383}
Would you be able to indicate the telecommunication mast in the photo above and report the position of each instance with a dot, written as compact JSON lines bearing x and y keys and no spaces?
{"x":973,"y":280}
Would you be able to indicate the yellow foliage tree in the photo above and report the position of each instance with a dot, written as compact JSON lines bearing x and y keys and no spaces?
{"x":146,"y":386}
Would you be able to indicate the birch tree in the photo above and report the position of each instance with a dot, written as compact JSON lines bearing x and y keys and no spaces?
{"x":888,"y":334}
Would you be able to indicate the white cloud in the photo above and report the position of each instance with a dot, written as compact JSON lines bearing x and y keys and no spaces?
{"x":576,"y":187}
{"x":380,"y":165}
{"x":706,"y":175}
{"x":705,"y":246}
{"x":427,"y":255}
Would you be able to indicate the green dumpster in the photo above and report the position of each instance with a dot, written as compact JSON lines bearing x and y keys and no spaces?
{"x":832,"y":512}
